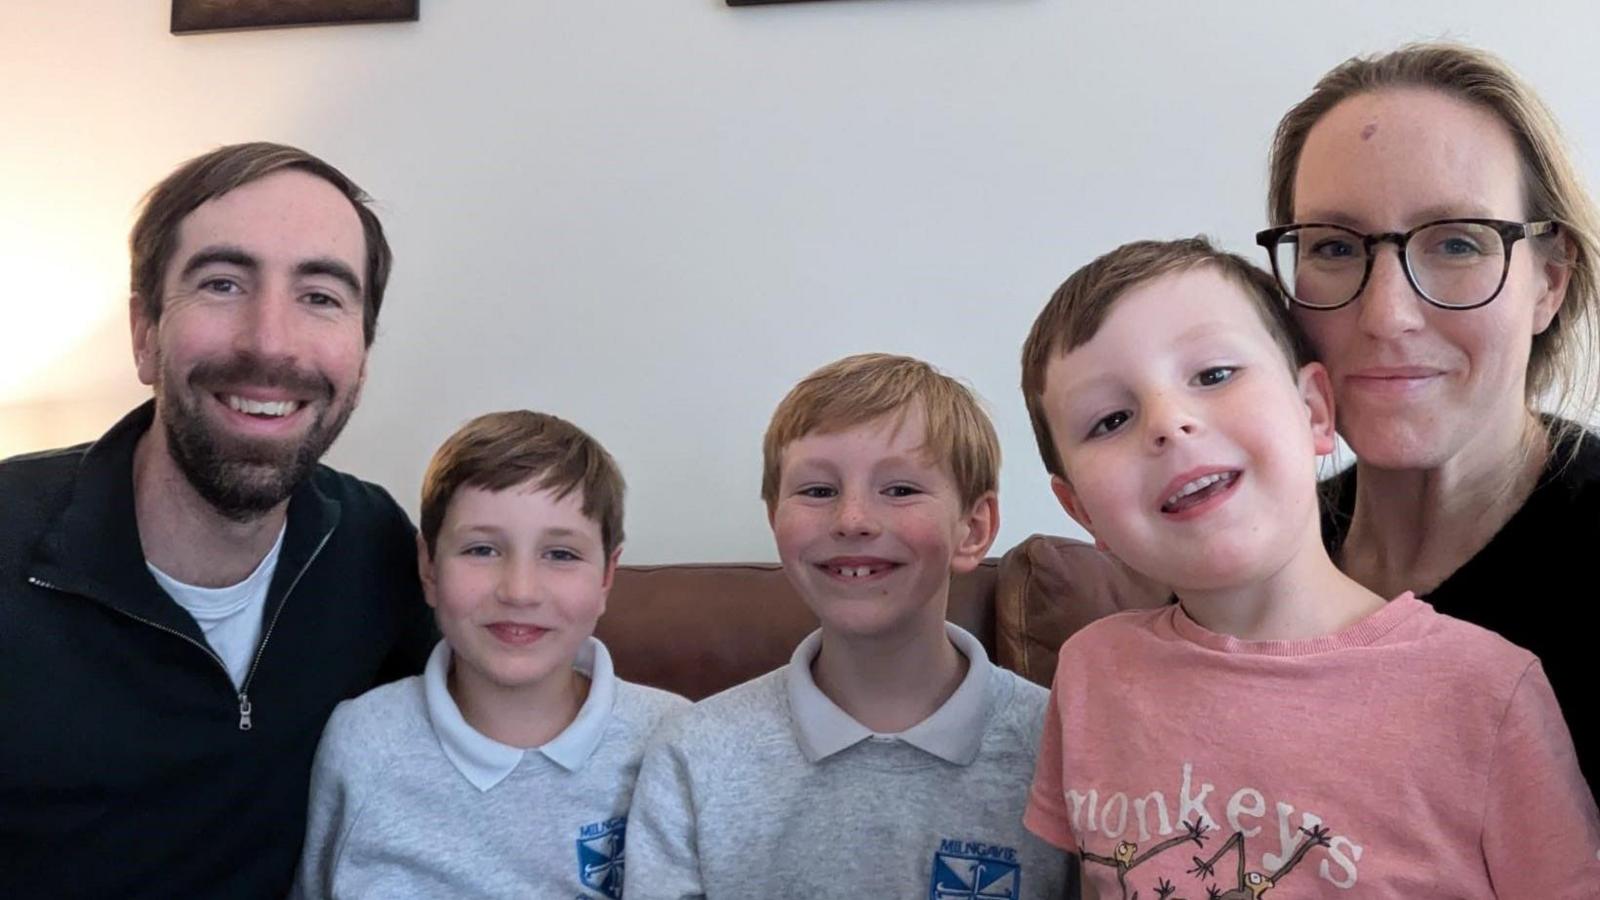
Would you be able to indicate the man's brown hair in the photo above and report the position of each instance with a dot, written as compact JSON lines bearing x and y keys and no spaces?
{"x":155,"y":234}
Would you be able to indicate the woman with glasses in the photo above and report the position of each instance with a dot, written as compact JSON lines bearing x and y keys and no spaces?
{"x":1435,"y":239}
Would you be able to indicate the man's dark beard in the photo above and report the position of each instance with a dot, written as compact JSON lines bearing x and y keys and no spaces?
{"x":242,"y":479}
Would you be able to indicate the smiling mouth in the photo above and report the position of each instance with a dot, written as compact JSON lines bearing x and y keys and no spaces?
{"x":1199,"y":490}
{"x":857,"y":572}
{"x":513,"y":633}
{"x":1394,"y":376}
{"x":260,"y":409}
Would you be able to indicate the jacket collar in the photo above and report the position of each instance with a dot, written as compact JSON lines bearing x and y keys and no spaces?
{"x":93,"y":547}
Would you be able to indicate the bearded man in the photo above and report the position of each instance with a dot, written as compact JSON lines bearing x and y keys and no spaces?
{"x":184,"y":601}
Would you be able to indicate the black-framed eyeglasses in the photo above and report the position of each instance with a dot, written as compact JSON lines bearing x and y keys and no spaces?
{"x":1451,"y":263}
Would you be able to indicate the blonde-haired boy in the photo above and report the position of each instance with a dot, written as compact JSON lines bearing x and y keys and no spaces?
{"x":889,"y":758}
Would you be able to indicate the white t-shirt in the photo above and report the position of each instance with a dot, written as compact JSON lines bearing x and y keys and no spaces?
{"x":230,"y":617}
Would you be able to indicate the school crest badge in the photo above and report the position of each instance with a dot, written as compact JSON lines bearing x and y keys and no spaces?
{"x":968,"y":871}
{"x":600,"y":856}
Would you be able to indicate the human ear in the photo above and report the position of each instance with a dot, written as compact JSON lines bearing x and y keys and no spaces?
{"x":1316,"y":389}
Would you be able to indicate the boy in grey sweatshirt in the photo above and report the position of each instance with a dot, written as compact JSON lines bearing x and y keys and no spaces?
{"x":505,"y":769}
{"x":889,"y":758}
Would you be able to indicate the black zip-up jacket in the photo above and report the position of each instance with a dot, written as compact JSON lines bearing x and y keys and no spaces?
{"x":130,"y":765}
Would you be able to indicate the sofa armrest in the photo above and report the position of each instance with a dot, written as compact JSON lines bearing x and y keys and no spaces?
{"x":1049,"y":587}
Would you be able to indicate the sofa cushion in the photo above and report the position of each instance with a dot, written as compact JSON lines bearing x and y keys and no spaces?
{"x":696,"y":629}
{"x":1049,"y":587}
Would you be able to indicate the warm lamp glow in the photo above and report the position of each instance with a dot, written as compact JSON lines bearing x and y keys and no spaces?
{"x":65,"y":370}
{"x":59,"y":284}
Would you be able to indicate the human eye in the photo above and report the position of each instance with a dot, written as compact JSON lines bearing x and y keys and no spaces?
{"x":816,"y":491}
{"x":1456,"y":241}
{"x":481,"y":551}
{"x":220,"y":284}
{"x":323,"y":299}
{"x":1108,"y":424}
{"x":1214,"y":375}
{"x":902,"y":490}
{"x":562,"y":554}
{"x":1328,"y":247}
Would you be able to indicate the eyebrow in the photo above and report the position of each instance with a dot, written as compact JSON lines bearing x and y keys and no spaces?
{"x":228,"y":254}
{"x":811,"y":465}
{"x":1073,"y":388}
{"x":333,"y":268}
{"x":826,"y":466}
{"x":1421,"y":216}
{"x":1203,"y":331}
{"x":494,"y":530}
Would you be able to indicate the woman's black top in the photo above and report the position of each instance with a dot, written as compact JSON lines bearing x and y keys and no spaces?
{"x":1537,"y":582}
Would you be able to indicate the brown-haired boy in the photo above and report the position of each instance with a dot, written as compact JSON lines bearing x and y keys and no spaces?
{"x":889,"y":758}
{"x":504,"y":769}
{"x":1281,"y":728}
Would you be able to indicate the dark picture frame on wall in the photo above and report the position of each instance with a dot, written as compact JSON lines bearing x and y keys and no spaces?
{"x":759,"y":2}
{"x":190,"y":16}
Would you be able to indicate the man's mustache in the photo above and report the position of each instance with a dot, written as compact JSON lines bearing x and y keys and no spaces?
{"x":252,"y":369}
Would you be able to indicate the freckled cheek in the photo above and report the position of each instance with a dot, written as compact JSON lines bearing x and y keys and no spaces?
{"x":930,"y":536}
{"x":791,"y":530}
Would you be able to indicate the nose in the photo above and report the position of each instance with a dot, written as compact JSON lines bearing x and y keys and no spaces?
{"x":1167,"y":419}
{"x":1389,"y":305}
{"x":853,"y":515}
{"x":519,"y":582}
{"x":268,"y":325}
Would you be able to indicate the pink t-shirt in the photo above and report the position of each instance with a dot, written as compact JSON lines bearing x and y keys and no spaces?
{"x":1411,"y":755}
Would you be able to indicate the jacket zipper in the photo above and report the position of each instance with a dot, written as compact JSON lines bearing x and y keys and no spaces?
{"x":245,"y":707}
{"x":244,"y":699}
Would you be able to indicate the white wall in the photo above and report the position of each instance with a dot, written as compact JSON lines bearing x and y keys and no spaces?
{"x":653,"y":216}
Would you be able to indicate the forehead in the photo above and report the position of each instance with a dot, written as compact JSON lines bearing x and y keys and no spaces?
{"x":1382,"y":159}
{"x":898,"y":435}
{"x":1150,"y":321}
{"x":284,"y":218}
{"x":521,"y":508}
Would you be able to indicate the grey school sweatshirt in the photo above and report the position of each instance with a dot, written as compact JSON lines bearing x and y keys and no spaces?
{"x":408,"y":800}
{"x":769,"y":790}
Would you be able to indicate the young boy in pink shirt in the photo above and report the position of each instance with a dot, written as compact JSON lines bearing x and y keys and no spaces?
{"x":1280,"y":728}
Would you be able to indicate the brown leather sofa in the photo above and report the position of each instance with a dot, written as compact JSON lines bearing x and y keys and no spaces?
{"x":697,"y":628}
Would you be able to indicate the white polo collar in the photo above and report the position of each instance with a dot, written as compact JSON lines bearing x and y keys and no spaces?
{"x":486,"y":762}
{"x":953,"y":733}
